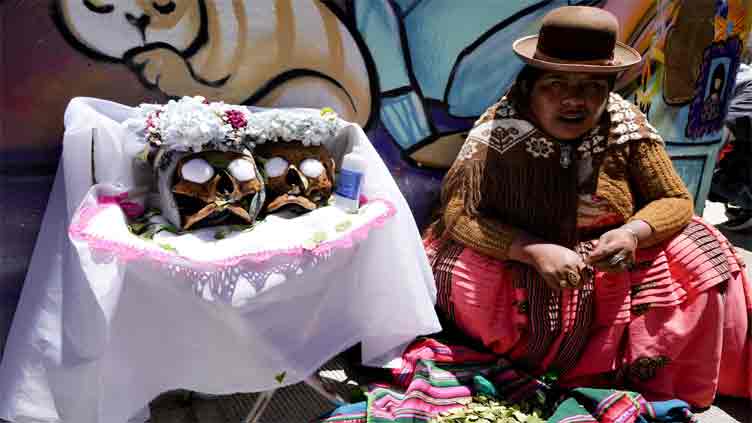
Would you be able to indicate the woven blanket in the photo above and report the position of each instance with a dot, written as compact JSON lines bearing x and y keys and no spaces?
{"x":438,"y":381}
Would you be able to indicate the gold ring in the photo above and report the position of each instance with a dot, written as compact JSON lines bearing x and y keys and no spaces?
{"x":573,"y":277}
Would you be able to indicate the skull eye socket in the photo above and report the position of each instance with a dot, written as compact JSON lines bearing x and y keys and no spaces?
{"x":276,"y":166}
{"x":311,"y":168}
{"x":197,"y":170}
{"x":242,"y":170}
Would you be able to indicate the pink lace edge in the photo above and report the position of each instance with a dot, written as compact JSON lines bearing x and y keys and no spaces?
{"x":129,"y":252}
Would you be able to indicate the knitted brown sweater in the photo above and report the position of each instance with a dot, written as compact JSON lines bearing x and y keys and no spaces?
{"x":637,"y":179}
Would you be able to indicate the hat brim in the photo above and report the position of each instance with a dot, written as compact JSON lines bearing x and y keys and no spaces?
{"x":624,"y":58}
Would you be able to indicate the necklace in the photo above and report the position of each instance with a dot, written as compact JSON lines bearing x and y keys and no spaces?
{"x":566,"y":155}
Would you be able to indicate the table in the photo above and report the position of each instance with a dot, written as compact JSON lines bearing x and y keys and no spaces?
{"x":97,"y":335}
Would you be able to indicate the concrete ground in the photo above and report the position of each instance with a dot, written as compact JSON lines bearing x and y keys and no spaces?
{"x":299,"y":403}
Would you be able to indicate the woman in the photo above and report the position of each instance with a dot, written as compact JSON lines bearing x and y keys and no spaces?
{"x":567,"y":240}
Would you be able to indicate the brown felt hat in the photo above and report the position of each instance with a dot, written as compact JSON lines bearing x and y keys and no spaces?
{"x":577,"y":39}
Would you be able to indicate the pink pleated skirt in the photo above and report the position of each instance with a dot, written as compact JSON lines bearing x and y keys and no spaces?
{"x":679,"y":325}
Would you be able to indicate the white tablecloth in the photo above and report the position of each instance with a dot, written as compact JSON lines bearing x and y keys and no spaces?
{"x":95,"y":338}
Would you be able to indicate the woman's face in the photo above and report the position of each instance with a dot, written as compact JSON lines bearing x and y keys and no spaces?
{"x":566,"y":105}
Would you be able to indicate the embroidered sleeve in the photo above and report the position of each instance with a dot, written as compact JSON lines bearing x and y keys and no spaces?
{"x":667,"y":205}
{"x":462,"y":192}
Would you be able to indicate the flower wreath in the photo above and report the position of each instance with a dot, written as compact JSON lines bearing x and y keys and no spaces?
{"x":193,"y":123}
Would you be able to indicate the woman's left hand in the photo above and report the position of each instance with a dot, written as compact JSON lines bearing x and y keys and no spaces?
{"x":614,"y":251}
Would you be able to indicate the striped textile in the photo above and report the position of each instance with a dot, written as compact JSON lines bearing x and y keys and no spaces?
{"x":587,"y":405}
{"x":436,"y":377}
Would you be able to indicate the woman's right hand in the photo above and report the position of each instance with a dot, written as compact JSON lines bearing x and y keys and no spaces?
{"x":559,"y":266}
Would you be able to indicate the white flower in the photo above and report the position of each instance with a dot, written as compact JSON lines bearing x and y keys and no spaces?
{"x":289,"y":126}
{"x":539,"y":147}
{"x":505,"y":109}
{"x":468,"y":150}
{"x":191,"y":124}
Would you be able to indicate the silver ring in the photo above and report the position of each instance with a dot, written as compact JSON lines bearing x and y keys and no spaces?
{"x":616,"y":260}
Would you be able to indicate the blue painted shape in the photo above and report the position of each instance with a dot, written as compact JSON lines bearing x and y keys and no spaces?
{"x":671,"y":121}
{"x":405,"y":5}
{"x":379,"y":26}
{"x":481,"y":77}
{"x":695,"y":164}
{"x":690,"y":169}
{"x":438,"y":30}
{"x":405,"y":119}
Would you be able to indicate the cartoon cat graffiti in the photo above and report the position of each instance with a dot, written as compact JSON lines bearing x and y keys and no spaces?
{"x":270,"y":52}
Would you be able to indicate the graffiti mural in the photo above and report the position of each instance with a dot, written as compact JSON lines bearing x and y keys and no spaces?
{"x":254,"y":52}
{"x":415,"y":73}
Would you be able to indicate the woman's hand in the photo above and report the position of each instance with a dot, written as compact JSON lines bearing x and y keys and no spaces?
{"x":615,"y":250}
{"x":559,"y":266}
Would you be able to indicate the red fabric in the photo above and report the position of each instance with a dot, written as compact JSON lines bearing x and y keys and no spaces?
{"x":676,"y":327}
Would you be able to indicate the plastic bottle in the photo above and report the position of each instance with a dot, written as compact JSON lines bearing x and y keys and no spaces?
{"x":350,"y":181}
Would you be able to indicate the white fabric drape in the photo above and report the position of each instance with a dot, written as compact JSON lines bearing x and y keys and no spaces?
{"x":95,"y":338}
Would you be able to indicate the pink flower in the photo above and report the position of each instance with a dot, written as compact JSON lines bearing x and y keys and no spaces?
{"x":130,"y":208}
{"x":236,"y":118}
{"x":150,"y":119}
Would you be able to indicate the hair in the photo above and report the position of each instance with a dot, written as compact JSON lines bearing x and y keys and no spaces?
{"x":527,"y":77}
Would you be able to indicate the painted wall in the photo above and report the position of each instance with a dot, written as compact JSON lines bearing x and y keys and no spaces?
{"x":415,"y":73}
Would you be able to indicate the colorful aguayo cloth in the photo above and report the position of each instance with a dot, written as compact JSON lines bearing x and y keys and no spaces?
{"x":436,"y":378}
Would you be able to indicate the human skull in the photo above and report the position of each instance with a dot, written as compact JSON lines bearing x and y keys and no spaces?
{"x":298,"y":177}
{"x":209,"y":187}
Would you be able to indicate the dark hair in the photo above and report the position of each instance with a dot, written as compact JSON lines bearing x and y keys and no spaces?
{"x":527,"y":77}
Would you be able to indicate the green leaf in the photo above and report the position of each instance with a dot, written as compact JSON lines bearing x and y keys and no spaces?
{"x":520,"y":416}
{"x":151,"y":212}
{"x":136,"y":228}
{"x":168,"y":247}
{"x":342,"y":227}
{"x":143,"y":155}
{"x":170,"y":228}
{"x":319,"y":237}
{"x":280,"y":377}
{"x":217,"y":159}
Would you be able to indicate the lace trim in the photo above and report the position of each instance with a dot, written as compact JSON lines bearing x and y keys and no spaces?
{"x":129,"y":252}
